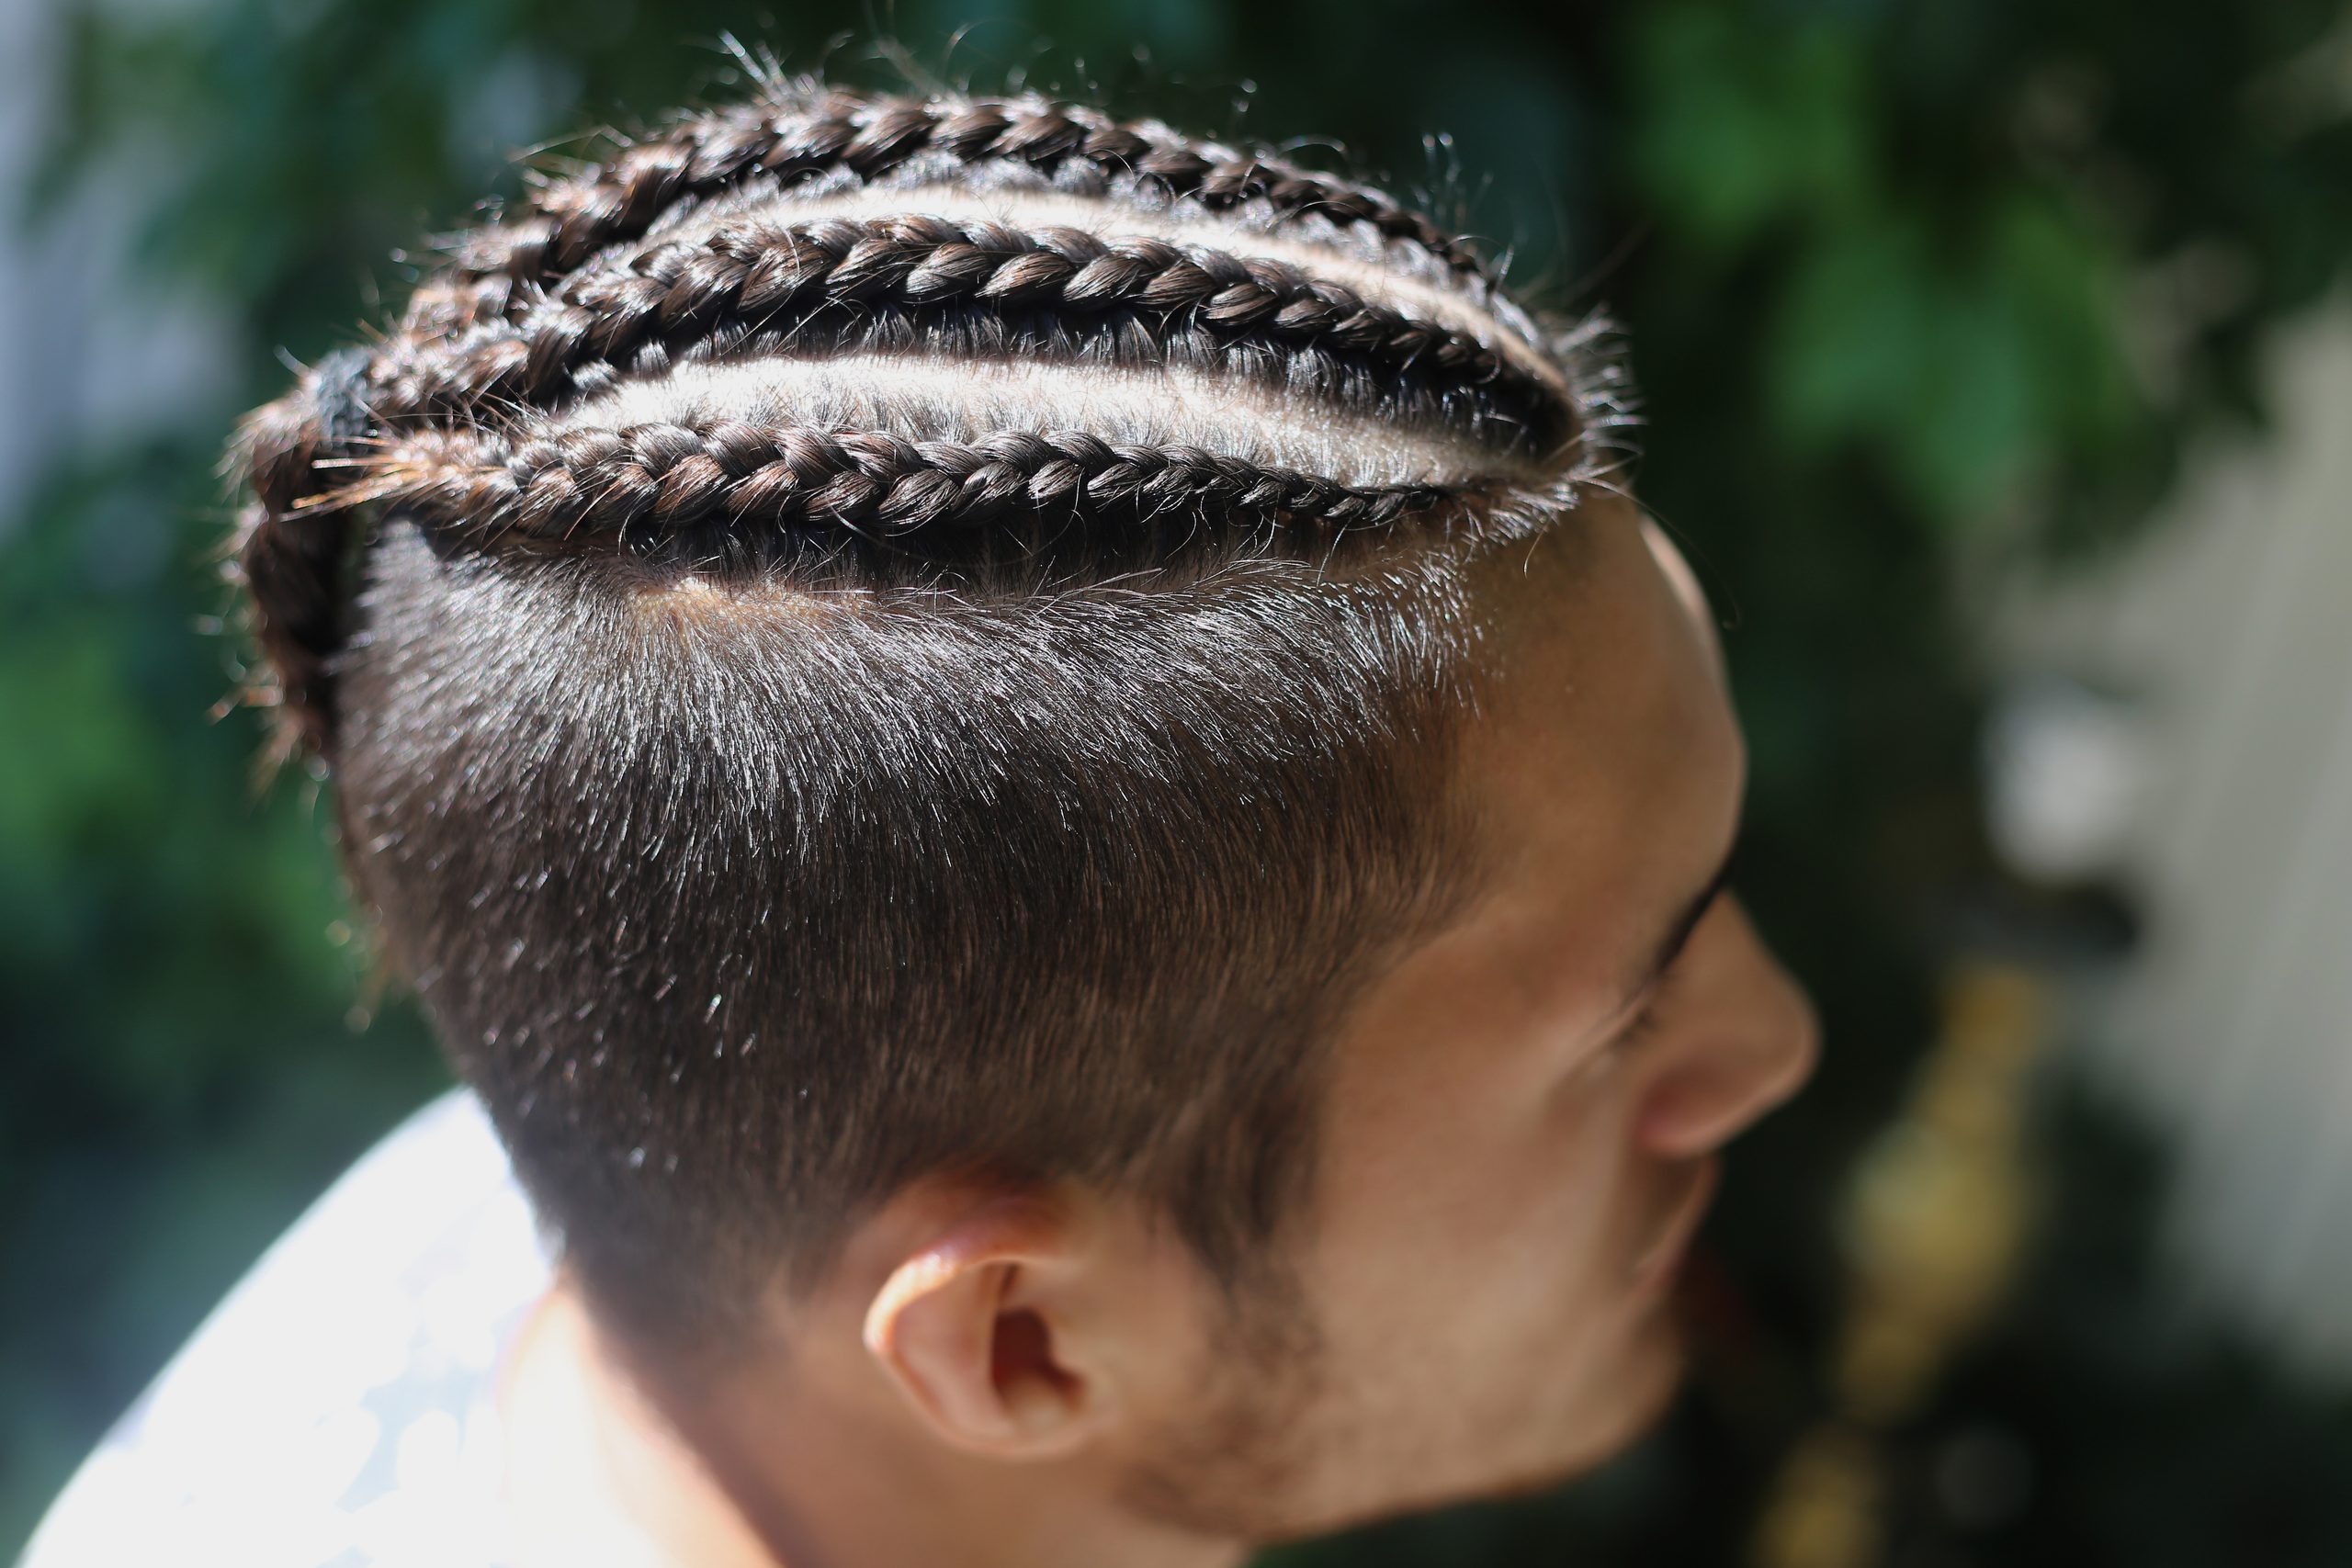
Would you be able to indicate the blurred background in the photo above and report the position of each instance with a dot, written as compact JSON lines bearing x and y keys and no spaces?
{"x":1999,"y":372}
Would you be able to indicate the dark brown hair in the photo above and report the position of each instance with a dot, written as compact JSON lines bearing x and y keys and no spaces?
{"x":872,"y":636}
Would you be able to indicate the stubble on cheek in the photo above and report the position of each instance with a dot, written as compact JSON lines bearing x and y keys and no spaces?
{"x":1240,"y":1461}
{"x":1279,"y":1447}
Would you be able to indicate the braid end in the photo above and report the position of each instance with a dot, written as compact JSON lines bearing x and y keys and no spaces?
{"x":291,"y":546}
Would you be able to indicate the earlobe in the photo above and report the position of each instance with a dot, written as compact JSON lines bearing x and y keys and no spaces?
{"x":962,"y":1329}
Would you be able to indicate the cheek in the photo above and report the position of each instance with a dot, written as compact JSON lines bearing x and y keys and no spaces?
{"x":1487,"y":1207}
{"x":1558,"y":1197}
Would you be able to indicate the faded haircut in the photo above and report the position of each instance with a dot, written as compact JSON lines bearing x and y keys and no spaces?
{"x":867,"y":638}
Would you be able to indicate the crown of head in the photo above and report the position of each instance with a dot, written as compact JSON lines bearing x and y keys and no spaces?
{"x":813,"y":225}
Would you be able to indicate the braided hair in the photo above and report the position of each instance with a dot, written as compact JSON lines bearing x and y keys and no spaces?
{"x":565,"y":296}
{"x":1012,"y":667}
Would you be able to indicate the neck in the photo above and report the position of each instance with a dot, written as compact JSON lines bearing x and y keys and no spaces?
{"x":607,"y":1469}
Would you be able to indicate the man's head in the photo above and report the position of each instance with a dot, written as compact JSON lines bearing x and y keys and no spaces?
{"x":1024,"y":762}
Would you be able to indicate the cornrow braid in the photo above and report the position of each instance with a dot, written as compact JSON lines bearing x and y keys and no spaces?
{"x":746,"y":274}
{"x":536,"y":313}
{"x":602,"y":483}
{"x":569,"y":221}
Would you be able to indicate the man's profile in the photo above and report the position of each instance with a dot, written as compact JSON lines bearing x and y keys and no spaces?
{"x":1075,"y":840}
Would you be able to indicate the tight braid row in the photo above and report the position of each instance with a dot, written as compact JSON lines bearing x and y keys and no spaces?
{"x":602,"y":483}
{"x":746,"y":275}
{"x":519,"y":320}
{"x":569,"y":221}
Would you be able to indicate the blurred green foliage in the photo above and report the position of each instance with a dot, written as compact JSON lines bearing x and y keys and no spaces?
{"x":1903,"y":282}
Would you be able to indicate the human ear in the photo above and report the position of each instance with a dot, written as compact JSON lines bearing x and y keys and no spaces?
{"x":972,"y":1328}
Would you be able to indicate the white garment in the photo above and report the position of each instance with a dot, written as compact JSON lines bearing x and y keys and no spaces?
{"x":336,"y":1409}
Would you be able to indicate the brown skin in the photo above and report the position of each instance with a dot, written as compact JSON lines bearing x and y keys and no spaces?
{"x":1518,"y":1136}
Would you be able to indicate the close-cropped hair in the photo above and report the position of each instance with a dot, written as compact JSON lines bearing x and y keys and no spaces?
{"x":870,"y":637}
